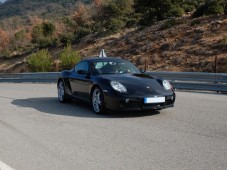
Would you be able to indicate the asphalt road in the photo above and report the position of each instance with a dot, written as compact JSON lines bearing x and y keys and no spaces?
{"x":39,"y":133}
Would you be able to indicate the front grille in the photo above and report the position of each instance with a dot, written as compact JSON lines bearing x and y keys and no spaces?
{"x":139,"y":103}
{"x":133,"y":103}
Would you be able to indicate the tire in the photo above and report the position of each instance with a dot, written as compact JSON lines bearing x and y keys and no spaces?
{"x":62,"y":97}
{"x":97,"y":101}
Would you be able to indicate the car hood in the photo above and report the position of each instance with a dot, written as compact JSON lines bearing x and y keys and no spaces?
{"x":137,"y":83}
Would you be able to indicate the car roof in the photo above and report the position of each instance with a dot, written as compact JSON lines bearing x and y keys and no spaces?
{"x":91,"y":59}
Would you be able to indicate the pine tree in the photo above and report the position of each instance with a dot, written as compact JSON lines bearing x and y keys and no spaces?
{"x":154,"y":10}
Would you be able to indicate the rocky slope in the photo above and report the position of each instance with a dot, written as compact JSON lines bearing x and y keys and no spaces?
{"x":190,"y":46}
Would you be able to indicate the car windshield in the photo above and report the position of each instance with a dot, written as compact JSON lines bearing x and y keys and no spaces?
{"x":113,"y":67}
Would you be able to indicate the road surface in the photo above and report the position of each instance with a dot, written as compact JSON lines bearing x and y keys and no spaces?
{"x":39,"y":133}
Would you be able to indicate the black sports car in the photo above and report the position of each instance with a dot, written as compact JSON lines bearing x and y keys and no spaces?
{"x":116,"y":84}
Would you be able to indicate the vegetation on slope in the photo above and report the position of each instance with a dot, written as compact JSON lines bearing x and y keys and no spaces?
{"x":53,"y":24}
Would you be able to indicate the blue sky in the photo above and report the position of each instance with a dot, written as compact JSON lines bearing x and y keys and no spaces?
{"x":2,"y":0}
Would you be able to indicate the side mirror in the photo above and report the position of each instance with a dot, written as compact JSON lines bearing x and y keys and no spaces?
{"x":142,"y":70}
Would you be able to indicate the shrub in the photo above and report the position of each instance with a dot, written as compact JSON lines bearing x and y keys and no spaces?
{"x":48,"y":29}
{"x":199,"y":11}
{"x":170,"y":23}
{"x":68,"y":58}
{"x":67,"y":38}
{"x":43,"y":34}
{"x":210,"y":7}
{"x":153,"y":11}
{"x":188,"y":8}
{"x":40,"y":61}
{"x":81,"y":32}
{"x":177,"y":11}
{"x":114,"y":25}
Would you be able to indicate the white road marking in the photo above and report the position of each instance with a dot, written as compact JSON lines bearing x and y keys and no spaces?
{"x":4,"y":166}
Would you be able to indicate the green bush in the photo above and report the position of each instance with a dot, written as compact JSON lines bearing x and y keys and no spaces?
{"x":170,"y":23}
{"x":115,"y":25}
{"x":188,"y":8}
{"x":81,"y":32}
{"x":67,"y":38}
{"x":68,"y":58}
{"x":48,"y":29}
{"x":210,"y":7}
{"x":42,"y":34}
{"x":177,"y":11}
{"x":40,"y":61}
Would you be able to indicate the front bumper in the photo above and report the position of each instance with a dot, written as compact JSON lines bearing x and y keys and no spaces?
{"x":136,"y":103}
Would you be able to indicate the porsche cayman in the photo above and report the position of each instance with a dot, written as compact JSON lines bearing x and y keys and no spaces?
{"x":115,"y":84}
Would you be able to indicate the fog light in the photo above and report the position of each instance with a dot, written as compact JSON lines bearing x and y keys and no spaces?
{"x":127,"y":100}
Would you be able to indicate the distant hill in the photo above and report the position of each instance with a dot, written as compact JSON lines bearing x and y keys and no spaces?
{"x":44,"y":8}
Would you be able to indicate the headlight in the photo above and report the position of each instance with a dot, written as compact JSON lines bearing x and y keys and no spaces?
{"x":166,"y":85}
{"x":118,"y":86}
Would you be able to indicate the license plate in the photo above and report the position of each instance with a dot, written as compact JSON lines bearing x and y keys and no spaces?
{"x":154,"y":100}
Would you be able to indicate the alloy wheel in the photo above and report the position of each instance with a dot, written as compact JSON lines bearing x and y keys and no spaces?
{"x":61,"y":91}
{"x":97,"y":101}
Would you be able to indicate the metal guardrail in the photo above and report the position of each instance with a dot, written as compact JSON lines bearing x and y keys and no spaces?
{"x":195,"y":81}
{"x":180,"y":80}
{"x":49,"y":77}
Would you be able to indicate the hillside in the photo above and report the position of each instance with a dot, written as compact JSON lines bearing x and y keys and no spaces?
{"x":44,"y":8}
{"x":191,"y":45}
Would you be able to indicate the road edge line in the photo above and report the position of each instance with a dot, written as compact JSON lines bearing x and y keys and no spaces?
{"x":4,"y":166}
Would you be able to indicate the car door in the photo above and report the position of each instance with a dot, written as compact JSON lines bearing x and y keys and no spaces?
{"x":80,"y":81}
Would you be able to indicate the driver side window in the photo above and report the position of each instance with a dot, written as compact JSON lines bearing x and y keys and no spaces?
{"x":82,"y":66}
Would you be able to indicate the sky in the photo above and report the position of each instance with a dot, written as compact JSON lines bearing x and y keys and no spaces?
{"x":2,"y":0}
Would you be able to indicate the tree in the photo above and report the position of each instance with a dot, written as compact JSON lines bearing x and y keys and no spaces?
{"x":48,"y":29}
{"x":98,"y":15}
{"x":210,"y":7}
{"x":225,"y":8}
{"x":4,"y":40}
{"x":37,"y":33}
{"x":82,"y":16}
{"x":114,"y":15}
{"x":154,"y":10}
{"x":19,"y":38}
{"x":42,"y":34}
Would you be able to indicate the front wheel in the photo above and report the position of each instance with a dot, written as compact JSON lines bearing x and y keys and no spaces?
{"x":97,"y":101}
{"x":61,"y":93}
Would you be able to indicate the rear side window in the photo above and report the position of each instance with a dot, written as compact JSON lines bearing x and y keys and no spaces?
{"x":82,"y":66}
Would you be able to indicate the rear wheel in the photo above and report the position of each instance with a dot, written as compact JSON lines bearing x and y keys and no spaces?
{"x":62,"y":97}
{"x":97,"y":101}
